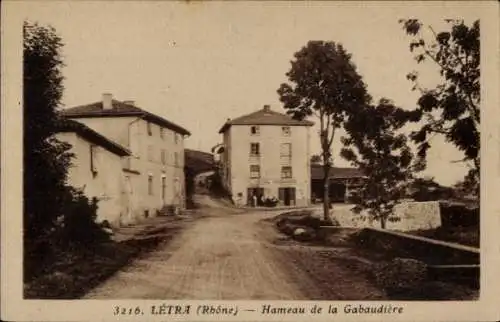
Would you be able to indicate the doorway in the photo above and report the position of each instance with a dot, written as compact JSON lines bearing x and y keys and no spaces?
{"x":258,"y":193}
{"x":163,"y":189}
{"x":287,"y":196}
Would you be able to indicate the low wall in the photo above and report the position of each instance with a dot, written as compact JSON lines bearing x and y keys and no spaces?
{"x":430,"y":251}
{"x":407,"y":216}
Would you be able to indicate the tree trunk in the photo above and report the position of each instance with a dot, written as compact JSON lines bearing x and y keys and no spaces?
{"x":326,"y":193}
{"x":382,"y":222}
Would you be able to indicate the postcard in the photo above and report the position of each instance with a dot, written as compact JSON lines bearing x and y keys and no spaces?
{"x":249,"y":161}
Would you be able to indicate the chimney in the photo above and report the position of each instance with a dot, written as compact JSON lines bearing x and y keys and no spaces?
{"x":267,"y":108}
{"x":107,"y":103}
{"x":132,"y":103}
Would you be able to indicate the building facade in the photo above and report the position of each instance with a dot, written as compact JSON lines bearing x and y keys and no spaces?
{"x":265,"y":155}
{"x":153,"y":173}
{"x":96,"y":170}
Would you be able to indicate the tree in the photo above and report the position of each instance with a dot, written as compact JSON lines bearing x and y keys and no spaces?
{"x":324,"y":83}
{"x":373,"y":145}
{"x":452,"y":108}
{"x":45,"y":159}
{"x":57,"y":217}
{"x":316,"y":159}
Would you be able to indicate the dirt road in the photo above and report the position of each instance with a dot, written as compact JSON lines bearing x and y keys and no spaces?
{"x":225,"y":255}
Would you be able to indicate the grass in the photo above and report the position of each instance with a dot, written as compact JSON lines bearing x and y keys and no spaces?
{"x":72,"y":273}
{"x":343,"y":253}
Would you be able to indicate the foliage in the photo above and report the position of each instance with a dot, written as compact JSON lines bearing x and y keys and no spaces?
{"x":401,"y":275}
{"x":189,"y":176}
{"x":426,"y":189}
{"x":316,"y":159}
{"x":55,"y":215}
{"x":323,"y":82}
{"x":217,"y":187}
{"x":373,"y":145}
{"x":45,"y":158}
{"x":452,"y":108}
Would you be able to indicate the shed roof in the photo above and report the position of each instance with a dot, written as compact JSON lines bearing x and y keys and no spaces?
{"x":335,"y":173}
{"x":67,"y":125}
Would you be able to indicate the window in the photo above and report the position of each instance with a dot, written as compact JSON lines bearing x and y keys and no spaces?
{"x":286,"y":150}
{"x":150,"y":185}
{"x":163,"y":156}
{"x":254,"y":149}
{"x":150,"y":129}
{"x":254,"y":130}
{"x":162,"y":132}
{"x":176,"y":138}
{"x":286,"y":172}
{"x":255,"y":171}
{"x":93,"y":153}
{"x":150,"y":153}
{"x":176,"y":159}
{"x":285,"y":130}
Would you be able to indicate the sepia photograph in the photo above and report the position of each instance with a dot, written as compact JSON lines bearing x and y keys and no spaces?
{"x":250,"y":151}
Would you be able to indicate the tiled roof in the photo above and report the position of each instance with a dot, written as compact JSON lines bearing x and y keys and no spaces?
{"x":120,"y":109}
{"x":67,"y":125}
{"x":335,"y":173}
{"x":264,"y":116}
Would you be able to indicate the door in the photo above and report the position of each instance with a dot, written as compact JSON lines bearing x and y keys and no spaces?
{"x":258,"y":193}
{"x":163,"y":189}
{"x":287,"y":196}
{"x":129,"y":196}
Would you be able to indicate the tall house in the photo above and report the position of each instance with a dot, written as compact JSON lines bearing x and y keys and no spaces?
{"x":266,"y":154}
{"x":154,"y":172}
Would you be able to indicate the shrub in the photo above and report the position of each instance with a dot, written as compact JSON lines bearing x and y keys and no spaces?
{"x":79,"y":226}
{"x":458,"y":215}
{"x":401,"y":275}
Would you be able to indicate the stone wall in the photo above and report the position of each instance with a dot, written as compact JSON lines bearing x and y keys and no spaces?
{"x":407,"y":216}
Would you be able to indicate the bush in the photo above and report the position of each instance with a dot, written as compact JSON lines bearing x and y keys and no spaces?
{"x":79,"y":226}
{"x":401,"y":276}
{"x":457,"y":215}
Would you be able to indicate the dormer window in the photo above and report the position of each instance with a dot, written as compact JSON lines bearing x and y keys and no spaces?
{"x":254,"y":130}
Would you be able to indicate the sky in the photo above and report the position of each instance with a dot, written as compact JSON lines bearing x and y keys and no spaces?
{"x":199,"y":63}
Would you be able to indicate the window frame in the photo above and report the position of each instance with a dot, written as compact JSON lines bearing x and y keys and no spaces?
{"x":93,"y":153}
{"x":256,"y":128}
{"x":253,"y":171}
{"x":288,"y":153}
{"x":257,"y":145}
{"x":150,"y":185}
{"x":150,"y":153}
{"x":286,"y":174}
{"x":163,"y":156}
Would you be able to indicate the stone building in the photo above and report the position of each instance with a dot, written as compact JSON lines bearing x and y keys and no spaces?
{"x":265,"y":154}
{"x":153,"y":173}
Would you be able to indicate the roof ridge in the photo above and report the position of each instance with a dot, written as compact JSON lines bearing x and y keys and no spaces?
{"x":120,"y":108}
{"x":265,"y":116}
